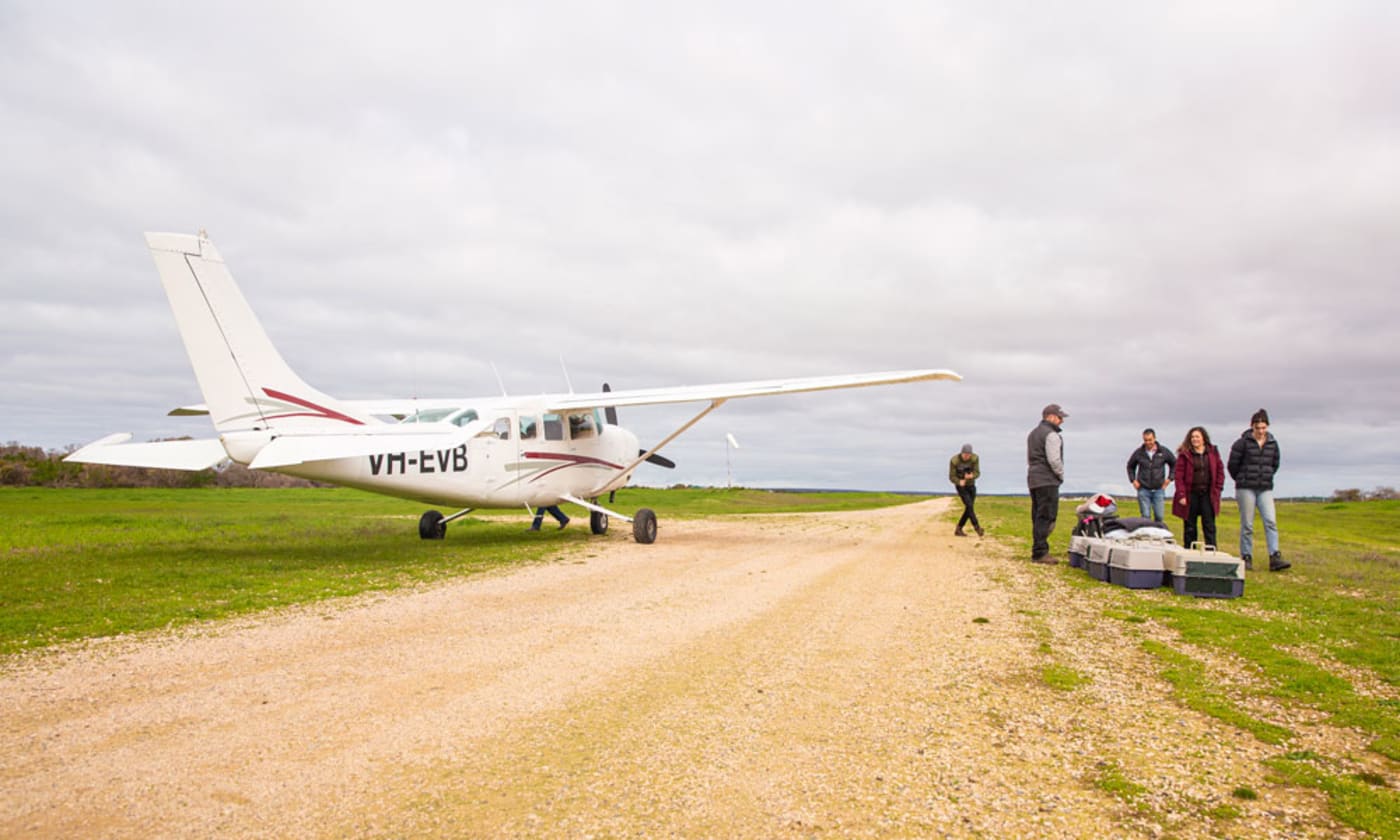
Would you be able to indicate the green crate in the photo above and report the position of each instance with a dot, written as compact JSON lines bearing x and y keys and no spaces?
{"x":1212,"y":568}
{"x":1201,"y":586}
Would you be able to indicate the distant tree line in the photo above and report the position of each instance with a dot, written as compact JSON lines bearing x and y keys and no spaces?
{"x":31,"y":466}
{"x":1354,"y":494}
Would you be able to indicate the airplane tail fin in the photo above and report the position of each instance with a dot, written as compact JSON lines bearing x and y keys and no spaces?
{"x":245,"y":381}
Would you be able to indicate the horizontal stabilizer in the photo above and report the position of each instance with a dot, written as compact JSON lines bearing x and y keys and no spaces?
{"x":162,"y":455}
{"x":290,"y":450}
{"x":189,"y":411}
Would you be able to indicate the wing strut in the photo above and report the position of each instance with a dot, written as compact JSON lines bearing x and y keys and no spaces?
{"x":621,"y":478}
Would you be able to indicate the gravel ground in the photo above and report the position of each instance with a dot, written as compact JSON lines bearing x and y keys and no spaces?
{"x":860,"y":674}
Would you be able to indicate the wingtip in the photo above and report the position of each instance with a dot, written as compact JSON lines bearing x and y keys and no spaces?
{"x":110,"y":440}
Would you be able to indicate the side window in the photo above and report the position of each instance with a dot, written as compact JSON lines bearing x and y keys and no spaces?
{"x":581,"y":425}
{"x":499,"y":429}
{"x":553,"y":427}
{"x":528,"y":427}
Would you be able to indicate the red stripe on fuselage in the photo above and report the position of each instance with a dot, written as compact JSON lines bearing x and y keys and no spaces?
{"x":316,"y":410}
{"x":569,"y":461}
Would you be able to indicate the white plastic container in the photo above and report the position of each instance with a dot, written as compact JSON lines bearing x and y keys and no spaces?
{"x":1136,"y":565}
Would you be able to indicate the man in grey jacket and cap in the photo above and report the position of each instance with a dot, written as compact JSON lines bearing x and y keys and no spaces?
{"x":1045,"y":472}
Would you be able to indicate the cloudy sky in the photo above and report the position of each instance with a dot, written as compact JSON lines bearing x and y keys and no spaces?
{"x":1156,"y":214}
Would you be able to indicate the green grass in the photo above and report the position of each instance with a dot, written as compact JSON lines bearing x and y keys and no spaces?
{"x":1062,"y":677}
{"x":1112,"y":781}
{"x":77,"y":564}
{"x":690,"y":502}
{"x":1324,"y":635}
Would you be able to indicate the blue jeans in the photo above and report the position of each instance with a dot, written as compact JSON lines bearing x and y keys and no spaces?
{"x":1152,"y":503}
{"x":1264,"y":500}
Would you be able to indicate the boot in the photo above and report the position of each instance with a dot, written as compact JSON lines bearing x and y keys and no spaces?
{"x":1277,"y":563}
{"x":958,"y":532}
{"x":979,"y":530}
{"x":1248,"y":562}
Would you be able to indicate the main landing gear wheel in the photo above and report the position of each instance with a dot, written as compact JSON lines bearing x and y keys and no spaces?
{"x":597,"y":522}
{"x":644,"y":526}
{"x":431,"y":526}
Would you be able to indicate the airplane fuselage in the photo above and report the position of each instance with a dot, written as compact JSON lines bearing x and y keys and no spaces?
{"x":518,"y":459}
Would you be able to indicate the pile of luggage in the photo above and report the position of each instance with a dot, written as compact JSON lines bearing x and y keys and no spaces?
{"x":1139,"y":553}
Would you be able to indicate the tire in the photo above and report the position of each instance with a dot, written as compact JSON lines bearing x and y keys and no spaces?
{"x":644,"y":526}
{"x":597,"y":522}
{"x":431,"y":526}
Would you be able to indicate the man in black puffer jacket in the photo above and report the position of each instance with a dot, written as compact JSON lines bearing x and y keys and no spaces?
{"x":1254,"y":459}
{"x":1150,"y":470}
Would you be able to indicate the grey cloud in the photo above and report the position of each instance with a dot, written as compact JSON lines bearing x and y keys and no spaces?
{"x":1157,"y":216}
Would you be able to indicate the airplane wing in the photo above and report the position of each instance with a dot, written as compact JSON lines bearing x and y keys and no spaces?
{"x":739,"y":390}
{"x":165,"y":454}
{"x":638,"y":396}
{"x":658,"y":396}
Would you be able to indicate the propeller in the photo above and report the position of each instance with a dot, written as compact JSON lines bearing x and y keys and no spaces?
{"x":610,"y":412}
{"x":659,"y":460}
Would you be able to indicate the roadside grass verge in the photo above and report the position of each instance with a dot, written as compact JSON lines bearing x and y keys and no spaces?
{"x":692,"y":502}
{"x":77,"y":564}
{"x":1322,"y":636}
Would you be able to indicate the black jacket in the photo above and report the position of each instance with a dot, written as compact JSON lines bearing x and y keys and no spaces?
{"x":1044,"y":455}
{"x":1253,"y":466}
{"x":1151,"y":471}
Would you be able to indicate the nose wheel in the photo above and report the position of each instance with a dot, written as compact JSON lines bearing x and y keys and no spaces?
{"x":644,"y":526}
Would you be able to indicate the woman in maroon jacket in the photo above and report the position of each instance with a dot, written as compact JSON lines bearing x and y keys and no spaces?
{"x":1200,"y":476}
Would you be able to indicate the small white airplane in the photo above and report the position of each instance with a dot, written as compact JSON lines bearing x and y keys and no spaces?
{"x":495,"y":452}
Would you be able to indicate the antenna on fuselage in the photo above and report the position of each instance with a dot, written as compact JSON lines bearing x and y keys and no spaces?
{"x":499,"y":380}
{"x":565,"y":368}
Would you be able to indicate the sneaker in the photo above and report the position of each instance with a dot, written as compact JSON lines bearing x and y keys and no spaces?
{"x":1046,"y":559}
{"x":1248,"y":561}
{"x":959,"y":533}
{"x":978,"y":529}
{"x":1277,"y":563}
{"x":563,"y":524}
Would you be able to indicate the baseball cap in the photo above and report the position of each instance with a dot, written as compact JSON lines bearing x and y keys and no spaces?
{"x":1053,"y":408}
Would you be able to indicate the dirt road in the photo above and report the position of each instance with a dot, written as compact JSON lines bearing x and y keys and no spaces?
{"x":818,"y":675}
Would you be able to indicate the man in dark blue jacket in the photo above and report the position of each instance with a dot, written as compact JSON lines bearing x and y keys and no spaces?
{"x":1150,"y":469}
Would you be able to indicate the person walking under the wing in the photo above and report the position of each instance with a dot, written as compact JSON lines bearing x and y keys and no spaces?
{"x":1045,"y":472}
{"x":1254,"y":459}
{"x":552,"y":510}
{"x":1150,"y":470}
{"x":964,"y":470}
{"x":1200,"y":476}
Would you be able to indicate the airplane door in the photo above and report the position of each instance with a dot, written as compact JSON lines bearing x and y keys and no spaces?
{"x":497,"y":451}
